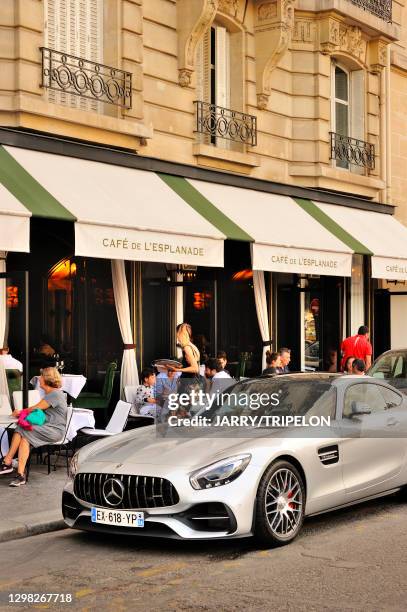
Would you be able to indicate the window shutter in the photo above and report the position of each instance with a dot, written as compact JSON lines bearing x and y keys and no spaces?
{"x":52,"y":12}
{"x":76,"y":27}
{"x":222,"y":74}
{"x":222,"y":79}
{"x":357,"y":110}
{"x":203,"y":73}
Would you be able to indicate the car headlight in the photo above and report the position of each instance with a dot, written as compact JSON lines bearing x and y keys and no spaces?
{"x":73,"y":465}
{"x":220,"y":473}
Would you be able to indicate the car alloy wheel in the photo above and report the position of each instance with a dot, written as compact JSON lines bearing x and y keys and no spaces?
{"x":280,"y":504}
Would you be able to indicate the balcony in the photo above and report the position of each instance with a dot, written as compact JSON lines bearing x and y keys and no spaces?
{"x":81,"y":77}
{"x":380,"y":8}
{"x":216,"y":123}
{"x":348,"y":151}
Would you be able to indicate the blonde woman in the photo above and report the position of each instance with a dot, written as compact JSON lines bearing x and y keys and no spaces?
{"x":190,"y":380}
{"x":54,"y":403}
{"x":190,"y":353}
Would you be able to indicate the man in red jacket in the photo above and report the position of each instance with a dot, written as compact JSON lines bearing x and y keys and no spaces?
{"x":358,"y":347}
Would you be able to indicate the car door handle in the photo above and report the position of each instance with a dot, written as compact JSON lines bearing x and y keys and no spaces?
{"x":392,"y":422}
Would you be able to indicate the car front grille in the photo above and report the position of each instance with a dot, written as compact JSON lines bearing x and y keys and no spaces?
{"x":138,"y":491}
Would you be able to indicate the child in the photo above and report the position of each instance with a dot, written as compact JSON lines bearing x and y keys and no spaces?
{"x":144,"y":401}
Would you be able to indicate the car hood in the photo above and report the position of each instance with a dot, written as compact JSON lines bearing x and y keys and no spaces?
{"x":146,"y":447}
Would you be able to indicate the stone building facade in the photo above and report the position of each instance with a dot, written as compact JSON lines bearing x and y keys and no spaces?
{"x":281,"y":58}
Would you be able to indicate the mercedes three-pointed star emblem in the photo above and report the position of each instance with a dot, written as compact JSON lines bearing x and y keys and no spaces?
{"x":113,"y":491}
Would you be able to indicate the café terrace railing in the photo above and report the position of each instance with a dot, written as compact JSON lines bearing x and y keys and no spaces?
{"x":380,"y":8}
{"x":218,"y":122}
{"x":352,"y":151}
{"x":81,"y":77}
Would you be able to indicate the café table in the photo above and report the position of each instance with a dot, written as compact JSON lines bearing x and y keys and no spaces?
{"x":5,"y":424}
{"x":81,"y":417}
{"x":71,"y":384}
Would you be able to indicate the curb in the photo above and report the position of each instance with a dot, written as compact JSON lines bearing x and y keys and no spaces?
{"x":16,"y":530}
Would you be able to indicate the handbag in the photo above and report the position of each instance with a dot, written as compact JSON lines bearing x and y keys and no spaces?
{"x":36,"y":417}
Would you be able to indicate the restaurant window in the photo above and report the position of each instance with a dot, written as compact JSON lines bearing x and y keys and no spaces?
{"x":348,"y":114}
{"x":74,"y":27}
{"x":80,"y":315}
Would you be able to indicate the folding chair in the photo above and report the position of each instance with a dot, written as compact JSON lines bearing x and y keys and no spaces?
{"x":116,"y":424}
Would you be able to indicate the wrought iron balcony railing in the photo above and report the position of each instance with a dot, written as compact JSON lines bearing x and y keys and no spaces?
{"x":219,"y":122}
{"x":380,"y":8}
{"x":81,"y":77}
{"x":352,"y":151}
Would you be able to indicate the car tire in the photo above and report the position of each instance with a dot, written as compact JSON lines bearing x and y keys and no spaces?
{"x":280,"y":504}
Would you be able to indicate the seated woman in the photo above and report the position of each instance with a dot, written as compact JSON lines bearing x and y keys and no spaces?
{"x":54,"y":403}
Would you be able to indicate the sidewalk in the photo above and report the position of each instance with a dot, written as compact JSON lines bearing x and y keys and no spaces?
{"x":33,"y":508}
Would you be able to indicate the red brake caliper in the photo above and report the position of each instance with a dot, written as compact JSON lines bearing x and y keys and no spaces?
{"x":290,"y":504}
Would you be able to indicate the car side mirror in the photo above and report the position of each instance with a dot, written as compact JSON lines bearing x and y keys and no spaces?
{"x":359,"y":408}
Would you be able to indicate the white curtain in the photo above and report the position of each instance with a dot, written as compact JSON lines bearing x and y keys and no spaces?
{"x":259,"y":287}
{"x":179,"y":307}
{"x":129,"y":373}
{"x":3,"y":322}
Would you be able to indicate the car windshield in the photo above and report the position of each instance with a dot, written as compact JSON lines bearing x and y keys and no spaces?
{"x":278,"y":396}
{"x":392,"y":365}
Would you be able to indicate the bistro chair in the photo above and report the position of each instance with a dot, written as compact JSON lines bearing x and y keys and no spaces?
{"x":98,"y":401}
{"x":34,"y":397}
{"x":57,"y":447}
{"x":14,"y":380}
{"x":130,"y":393}
{"x":5,"y":407}
{"x":116,"y":424}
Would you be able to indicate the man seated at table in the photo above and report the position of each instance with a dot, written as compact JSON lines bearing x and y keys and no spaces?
{"x":214,"y":369}
{"x":165,"y":384}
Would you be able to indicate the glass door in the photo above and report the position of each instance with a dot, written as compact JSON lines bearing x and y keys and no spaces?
{"x":311,"y":330}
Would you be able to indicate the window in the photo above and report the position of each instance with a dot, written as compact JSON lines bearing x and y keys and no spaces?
{"x":364,"y":393}
{"x":213,"y":77}
{"x":74,"y":27}
{"x":213,"y":80}
{"x":392,"y":365}
{"x":348,"y":117}
{"x":391,"y":398}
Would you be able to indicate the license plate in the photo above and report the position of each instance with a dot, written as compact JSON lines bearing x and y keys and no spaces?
{"x":119,"y":518}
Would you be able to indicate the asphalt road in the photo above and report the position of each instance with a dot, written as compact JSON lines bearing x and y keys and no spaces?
{"x":354,"y":559}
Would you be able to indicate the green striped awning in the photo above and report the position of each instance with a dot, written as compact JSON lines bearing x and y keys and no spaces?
{"x":127,"y":213}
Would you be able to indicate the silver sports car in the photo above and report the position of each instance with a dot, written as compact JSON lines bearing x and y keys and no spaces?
{"x":235,"y":477}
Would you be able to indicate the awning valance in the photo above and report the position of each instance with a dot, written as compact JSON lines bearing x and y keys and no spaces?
{"x":133,"y":214}
{"x":285,"y":237}
{"x":122,"y":213}
{"x":381,"y":235}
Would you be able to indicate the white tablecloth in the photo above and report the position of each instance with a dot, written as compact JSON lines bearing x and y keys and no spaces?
{"x":71,"y":383}
{"x":4,"y":422}
{"x":81,"y":417}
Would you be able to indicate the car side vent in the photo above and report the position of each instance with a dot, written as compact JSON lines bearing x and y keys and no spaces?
{"x":329,"y":454}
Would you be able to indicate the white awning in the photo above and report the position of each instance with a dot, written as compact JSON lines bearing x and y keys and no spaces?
{"x":286,"y":238}
{"x":124,"y":213}
{"x":14,"y":223}
{"x":382,"y":234}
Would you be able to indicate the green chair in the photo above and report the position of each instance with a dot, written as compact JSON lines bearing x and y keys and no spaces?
{"x":98,"y":401}
{"x":14,"y":381}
